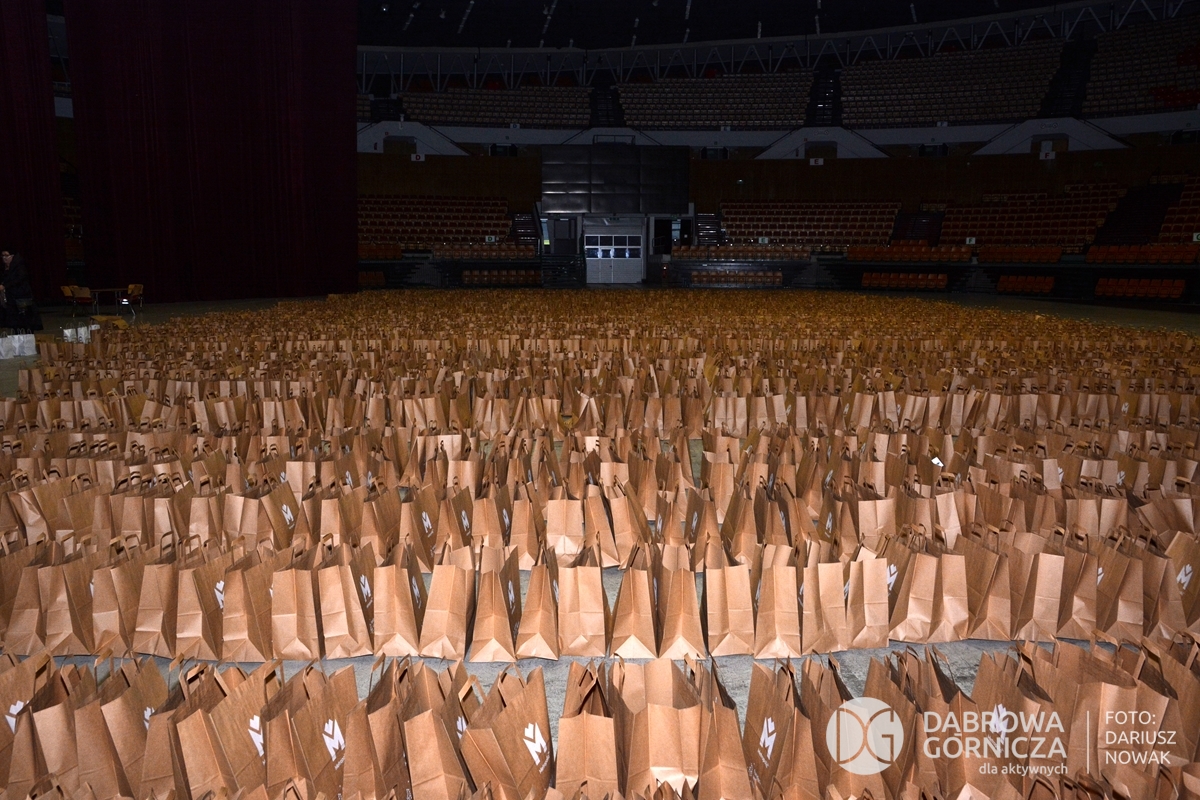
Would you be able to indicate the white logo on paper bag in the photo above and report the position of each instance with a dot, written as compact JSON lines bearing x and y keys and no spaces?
{"x":11,"y":716}
{"x":466,"y":523}
{"x":1121,"y":476}
{"x":829,"y":522}
{"x":365,"y":588}
{"x":147,"y":712}
{"x":289,"y":517}
{"x":507,"y":522}
{"x":864,"y":735}
{"x":349,"y":480}
{"x":425,"y":521}
{"x":536,"y":744}
{"x":256,"y":734}
{"x":799,"y":595}
{"x":1185,"y":576}
{"x":283,"y":477}
{"x":416,"y":590}
{"x":893,"y":573}
{"x":846,"y":591}
{"x":92,"y":587}
{"x":767,"y":740}
{"x":461,"y":726}
{"x":512,"y":595}
{"x":1099,"y":575}
{"x":219,"y":591}
{"x":334,"y":741}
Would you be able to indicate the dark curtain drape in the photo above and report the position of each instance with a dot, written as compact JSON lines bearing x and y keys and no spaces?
{"x":216,"y":145}
{"x":31,"y":210}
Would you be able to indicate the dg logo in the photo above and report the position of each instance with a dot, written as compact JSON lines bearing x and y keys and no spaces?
{"x":864,"y":736}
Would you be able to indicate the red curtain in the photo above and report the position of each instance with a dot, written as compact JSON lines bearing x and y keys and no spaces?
{"x":31,"y":210}
{"x":216,"y":145}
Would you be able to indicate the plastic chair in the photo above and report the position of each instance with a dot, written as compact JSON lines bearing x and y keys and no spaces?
{"x":82,"y":296}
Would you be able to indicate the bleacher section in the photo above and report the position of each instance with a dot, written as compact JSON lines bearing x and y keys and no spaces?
{"x":527,"y":106}
{"x":911,"y":253}
{"x":390,"y":225}
{"x":741,"y":252}
{"x":1143,"y":254}
{"x":1150,"y":288}
{"x":1002,"y":85}
{"x":741,"y":102}
{"x":834,"y":225}
{"x":502,"y":251}
{"x":910,"y":281}
{"x":1183,"y":218}
{"x":1145,"y":68}
{"x":1068,"y":220}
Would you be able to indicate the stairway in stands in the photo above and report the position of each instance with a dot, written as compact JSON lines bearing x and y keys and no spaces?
{"x":1069,"y":84}
{"x":1139,"y":215}
{"x":825,"y":99}
{"x":606,"y":105}
{"x":709,"y":232}
{"x":524,"y":229}
{"x":922,"y":226}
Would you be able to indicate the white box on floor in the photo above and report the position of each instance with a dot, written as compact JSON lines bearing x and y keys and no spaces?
{"x":22,"y":344}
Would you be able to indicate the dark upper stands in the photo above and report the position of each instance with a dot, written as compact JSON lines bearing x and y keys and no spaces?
{"x":770,"y":101}
{"x":1146,"y":68}
{"x":999,"y":85}
{"x":528,"y":106}
{"x":1183,"y":218}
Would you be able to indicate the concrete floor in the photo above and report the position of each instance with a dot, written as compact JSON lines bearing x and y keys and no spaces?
{"x":734,"y":671}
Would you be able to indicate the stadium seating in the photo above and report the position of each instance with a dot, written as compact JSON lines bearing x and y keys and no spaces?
{"x":1019,"y":254}
{"x":1183,"y":219}
{"x":502,"y":277}
{"x":909,"y":252}
{"x":1141,"y":287}
{"x":371,"y":279}
{"x":905,"y":280}
{"x":770,"y":101}
{"x":835,"y":225}
{"x":1145,"y":68}
{"x":1001,"y":85}
{"x":1068,"y":220}
{"x":744,"y":278}
{"x":501,"y":251}
{"x":389,"y":225}
{"x":1143,"y":254}
{"x":1025,"y":284}
{"x":529,"y":106}
{"x":741,"y":252}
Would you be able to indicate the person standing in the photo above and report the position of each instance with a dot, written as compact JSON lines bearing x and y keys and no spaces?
{"x":20,"y":314}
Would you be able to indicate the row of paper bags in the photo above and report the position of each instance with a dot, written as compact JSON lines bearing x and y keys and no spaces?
{"x":306,"y":602}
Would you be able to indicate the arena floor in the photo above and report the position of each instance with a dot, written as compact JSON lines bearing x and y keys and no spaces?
{"x":1013,"y":314}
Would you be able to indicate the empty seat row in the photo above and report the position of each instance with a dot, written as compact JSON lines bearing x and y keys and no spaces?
{"x":1143,"y":254}
{"x":1025,"y":284}
{"x":742,"y":252}
{"x":736,"y":278}
{"x":1182,"y":220}
{"x":836,"y":225}
{"x":910,"y":252}
{"x":390,"y":225}
{"x":1068,"y":220}
{"x":502,"y":277}
{"x":504,"y":251}
{"x":905,"y":280}
{"x":763,"y":101}
{"x":529,"y":106}
{"x":1165,"y":289}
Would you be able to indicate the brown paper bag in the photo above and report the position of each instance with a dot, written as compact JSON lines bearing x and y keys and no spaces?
{"x":635,"y":618}
{"x":497,"y":613}
{"x":537,"y":634}
{"x":346,"y":601}
{"x":659,"y":715}
{"x":400,"y":601}
{"x":727,"y":610}
{"x":446,"y":628}
{"x":584,"y":624}
{"x":507,"y":743}
{"x":587,"y":743}
{"x":681,"y":633}
{"x":777,"y":622}
{"x":295,"y":609}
